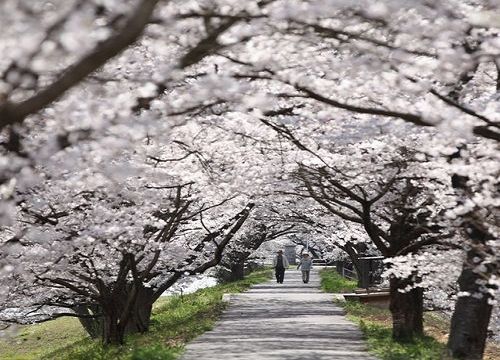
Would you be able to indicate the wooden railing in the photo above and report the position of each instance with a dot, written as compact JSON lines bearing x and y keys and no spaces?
{"x":349,"y":274}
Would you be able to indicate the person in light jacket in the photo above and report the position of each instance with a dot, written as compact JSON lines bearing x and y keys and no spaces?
{"x":305,"y":266}
{"x":280,"y":263}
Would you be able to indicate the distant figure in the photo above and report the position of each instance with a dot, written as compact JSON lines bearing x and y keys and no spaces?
{"x":280,"y":263}
{"x":305,"y":266}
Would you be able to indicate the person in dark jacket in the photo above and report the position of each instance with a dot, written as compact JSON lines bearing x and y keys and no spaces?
{"x":280,"y":263}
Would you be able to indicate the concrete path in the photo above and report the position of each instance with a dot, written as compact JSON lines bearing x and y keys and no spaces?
{"x":289,"y":321}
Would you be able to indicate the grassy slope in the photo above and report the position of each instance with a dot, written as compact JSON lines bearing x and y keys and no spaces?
{"x":33,"y":341}
{"x":376,"y":325}
{"x":175,"y":321}
{"x":332,"y":282}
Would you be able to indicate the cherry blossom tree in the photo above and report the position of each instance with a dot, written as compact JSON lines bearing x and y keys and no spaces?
{"x":475,"y":178}
{"x":110,"y":229}
{"x":73,"y":68}
{"x":255,"y":93}
{"x":110,"y":248}
{"x":389,"y":200}
{"x":318,"y":232}
{"x":73,"y":51}
{"x":256,"y":233}
{"x":331,"y":60}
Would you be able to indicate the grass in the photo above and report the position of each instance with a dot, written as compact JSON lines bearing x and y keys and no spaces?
{"x":175,"y":321}
{"x":377,"y":327}
{"x":33,"y":341}
{"x":333,"y":282}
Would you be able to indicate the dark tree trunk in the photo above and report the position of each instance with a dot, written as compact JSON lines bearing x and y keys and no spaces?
{"x":359,"y":273}
{"x":407,"y":310}
{"x":352,"y":250}
{"x":237,"y":271}
{"x":469,"y":323}
{"x":108,"y":325}
{"x":141,"y":312}
{"x":93,"y":326}
{"x":113,"y":331}
{"x":103,"y":326}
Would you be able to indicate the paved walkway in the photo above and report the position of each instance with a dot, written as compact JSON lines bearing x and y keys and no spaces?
{"x":290,"y":321}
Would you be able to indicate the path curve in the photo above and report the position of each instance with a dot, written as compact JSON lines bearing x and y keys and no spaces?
{"x":289,"y":321}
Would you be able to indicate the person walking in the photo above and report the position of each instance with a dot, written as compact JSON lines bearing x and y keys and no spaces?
{"x":280,"y":263}
{"x":305,"y":266}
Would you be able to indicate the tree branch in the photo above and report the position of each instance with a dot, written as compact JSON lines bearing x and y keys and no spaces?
{"x":12,"y":113}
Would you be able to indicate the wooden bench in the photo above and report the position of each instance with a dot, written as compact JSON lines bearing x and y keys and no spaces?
{"x":379,"y":298}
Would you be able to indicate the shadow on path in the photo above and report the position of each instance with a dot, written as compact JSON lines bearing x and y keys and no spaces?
{"x":289,"y":321}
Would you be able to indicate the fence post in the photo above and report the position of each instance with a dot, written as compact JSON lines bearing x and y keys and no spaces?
{"x":364,"y":265}
{"x":339,"y":265}
{"x":367,"y":268}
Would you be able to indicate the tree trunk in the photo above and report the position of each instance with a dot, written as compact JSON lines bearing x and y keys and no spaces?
{"x":102,"y":326}
{"x":237,"y":271}
{"x":141,"y":312}
{"x":108,"y":325}
{"x":93,"y":326}
{"x":353,"y":252}
{"x":469,"y":323}
{"x":407,"y":310}
{"x":113,"y":331}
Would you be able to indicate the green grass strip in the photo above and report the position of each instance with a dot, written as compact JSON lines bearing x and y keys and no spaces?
{"x":175,"y":321}
{"x":376,"y":326}
{"x":333,"y":282}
